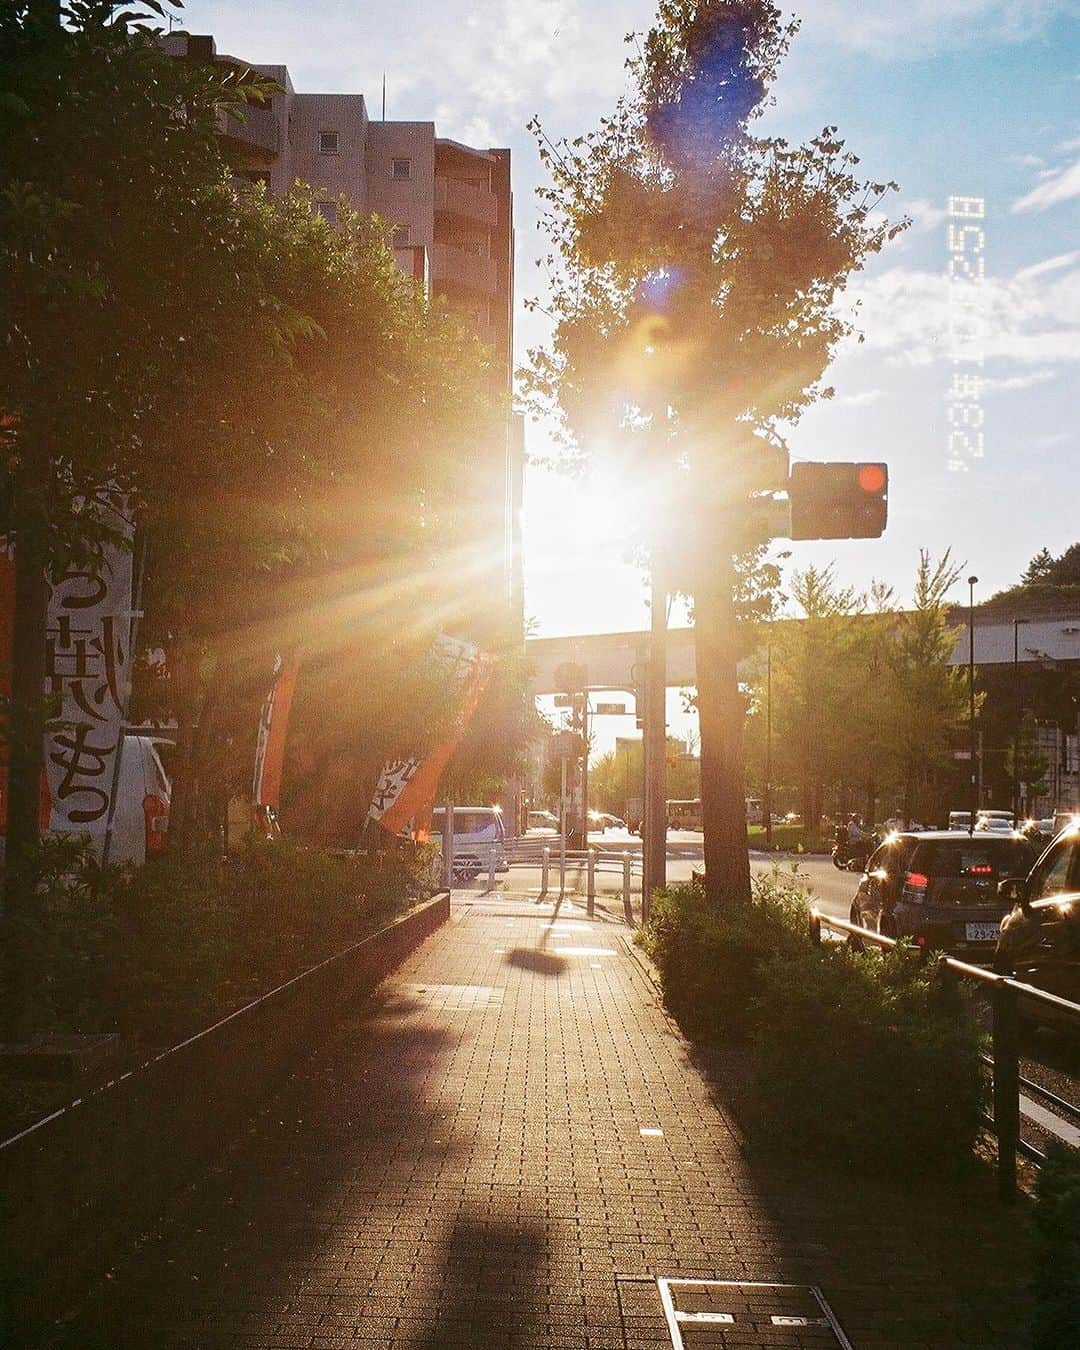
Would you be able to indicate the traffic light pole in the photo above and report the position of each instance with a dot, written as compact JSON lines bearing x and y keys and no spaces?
{"x":654,"y":826}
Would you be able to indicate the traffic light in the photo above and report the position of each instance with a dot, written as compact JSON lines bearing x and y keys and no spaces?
{"x":838,"y":501}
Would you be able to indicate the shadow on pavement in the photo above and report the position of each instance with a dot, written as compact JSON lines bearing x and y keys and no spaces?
{"x":491,"y":1273}
{"x":537,"y":960}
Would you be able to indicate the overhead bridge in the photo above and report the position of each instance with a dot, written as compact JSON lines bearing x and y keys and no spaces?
{"x":610,"y":658}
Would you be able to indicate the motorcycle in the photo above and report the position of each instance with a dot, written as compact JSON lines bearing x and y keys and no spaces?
{"x":850,"y":855}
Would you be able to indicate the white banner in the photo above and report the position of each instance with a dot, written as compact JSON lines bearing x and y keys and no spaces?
{"x":88,"y":665}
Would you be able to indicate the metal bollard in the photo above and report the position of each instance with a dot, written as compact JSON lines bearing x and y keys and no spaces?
{"x":1006,"y":1039}
{"x":626,"y":881}
{"x":592,"y":883}
{"x":491,"y":868}
{"x":544,"y":866}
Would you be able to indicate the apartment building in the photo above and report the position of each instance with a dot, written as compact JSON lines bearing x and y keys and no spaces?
{"x":452,"y":210}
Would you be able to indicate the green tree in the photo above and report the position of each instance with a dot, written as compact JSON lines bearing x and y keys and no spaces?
{"x":823,"y":692}
{"x":694,"y":271}
{"x":115,"y":210}
{"x":927,"y":701}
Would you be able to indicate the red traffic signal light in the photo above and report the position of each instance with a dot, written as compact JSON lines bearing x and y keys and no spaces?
{"x":838,"y":501}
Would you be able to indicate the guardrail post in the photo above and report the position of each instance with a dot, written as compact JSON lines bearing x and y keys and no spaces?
{"x":815,"y":928}
{"x":491,"y":868}
{"x":592,"y":882}
{"x":545,"y":864}
{"x":1006,"y":1040}
{"x":626,"y":881}
{"x":948,"y":986}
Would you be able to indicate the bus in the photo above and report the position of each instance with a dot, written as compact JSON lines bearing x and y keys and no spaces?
{"x":684,"y":815}
{"x":687,"y":815}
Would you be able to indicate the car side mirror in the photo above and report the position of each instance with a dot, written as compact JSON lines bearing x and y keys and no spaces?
{"x":1014,"y":891}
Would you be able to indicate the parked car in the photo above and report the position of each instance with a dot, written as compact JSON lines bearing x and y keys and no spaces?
{"x":478,"y":834}
{"x":604,"y":820}
{"x":998,"y":822}
{"x":545,"y":822}
{"x":940,"y":887}
{"x":959,"y":820}
{"x":1040,"y":936}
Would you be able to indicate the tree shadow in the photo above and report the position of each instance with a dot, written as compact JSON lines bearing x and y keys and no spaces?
{"x":537,"y":960}
{"x":490,"y":1271}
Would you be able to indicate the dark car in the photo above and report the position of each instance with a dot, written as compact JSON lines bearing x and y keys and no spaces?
{"x":1040,"y":937}
{"x":940,"y":887}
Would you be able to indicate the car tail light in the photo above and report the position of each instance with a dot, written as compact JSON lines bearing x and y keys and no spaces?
{"x":156,"y":816}
{"x":915,"y":886}
{"x":981,"y":870}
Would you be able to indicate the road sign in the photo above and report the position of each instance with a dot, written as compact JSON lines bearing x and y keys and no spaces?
{"x":564,"y":700}
{"x":611,"y":709}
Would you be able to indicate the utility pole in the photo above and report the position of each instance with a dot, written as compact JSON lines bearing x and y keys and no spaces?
{"x":654,"y":846}
{"x":972,"y":744}
{"x":768,"y":745}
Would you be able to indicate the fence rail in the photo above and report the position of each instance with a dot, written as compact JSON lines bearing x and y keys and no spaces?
{"x":554,"y":860}
{"x":1005,"y":995}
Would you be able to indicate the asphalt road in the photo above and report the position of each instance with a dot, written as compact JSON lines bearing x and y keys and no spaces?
{"x":832,"y":890}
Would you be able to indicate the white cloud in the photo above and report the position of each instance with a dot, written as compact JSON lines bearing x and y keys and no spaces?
{"x":918,"y":27}
{"x":862,"y":399}
{"x":1054,"y":187}
{"x":1030,"y":319}
{"x":1010,"y":384}
{"x":1041,"y":269}
{"x":925,"y":214}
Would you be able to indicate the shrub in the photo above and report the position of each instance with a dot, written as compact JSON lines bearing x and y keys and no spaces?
{"x":1056,"y":1241}
{"x":710,"y":960}
{"x":157,"y":951}
{"x":857,"y":1057}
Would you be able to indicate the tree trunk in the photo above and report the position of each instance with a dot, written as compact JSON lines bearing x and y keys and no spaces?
{"x":26,"y":755}
{"x":721,"y":712}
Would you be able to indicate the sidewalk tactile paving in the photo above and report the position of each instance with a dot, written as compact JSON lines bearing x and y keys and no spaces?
{"x":469,"y":1162}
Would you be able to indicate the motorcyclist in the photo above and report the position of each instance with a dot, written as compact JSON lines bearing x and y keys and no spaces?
{"x":855,"y":833}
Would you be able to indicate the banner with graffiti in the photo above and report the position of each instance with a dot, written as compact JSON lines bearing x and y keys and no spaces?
{"x":406,"y":789}
{"x":88,"y":672}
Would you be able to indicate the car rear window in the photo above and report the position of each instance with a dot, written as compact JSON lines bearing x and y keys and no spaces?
{"x":974,"y":858}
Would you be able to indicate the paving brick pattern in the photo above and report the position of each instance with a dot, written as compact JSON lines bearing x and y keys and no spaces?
{"x":505,"y":1149}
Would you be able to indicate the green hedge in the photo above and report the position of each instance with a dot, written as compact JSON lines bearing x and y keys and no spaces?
{"x":855,"y":1055}
{"x":1056,"y":1232}
{"x":155,"y":952}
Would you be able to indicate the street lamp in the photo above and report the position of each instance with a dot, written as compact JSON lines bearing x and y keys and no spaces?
{"x":1017,"y":721}
{"x":768,"y":745}
{"x":972,"y":581}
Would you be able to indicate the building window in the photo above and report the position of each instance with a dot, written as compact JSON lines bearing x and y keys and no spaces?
{"x":328,"y":142}
{"x":401,"y":170}
{"x":328,"y":211}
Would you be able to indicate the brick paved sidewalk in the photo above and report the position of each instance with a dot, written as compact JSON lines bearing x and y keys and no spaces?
{"x":506,"y":1149}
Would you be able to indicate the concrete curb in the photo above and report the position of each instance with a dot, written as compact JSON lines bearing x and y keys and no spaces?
{"x":95,"y":1174}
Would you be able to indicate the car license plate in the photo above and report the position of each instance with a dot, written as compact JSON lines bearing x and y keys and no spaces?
{"x":981,"y":932}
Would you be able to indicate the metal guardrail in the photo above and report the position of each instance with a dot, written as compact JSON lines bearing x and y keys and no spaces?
{"x":554,"y":860}
{"x":1005,"y":995}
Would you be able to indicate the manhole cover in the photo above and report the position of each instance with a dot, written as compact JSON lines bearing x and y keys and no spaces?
{"x":702,"y":1313}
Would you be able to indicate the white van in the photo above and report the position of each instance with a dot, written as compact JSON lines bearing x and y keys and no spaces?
{"x":477,"y":831}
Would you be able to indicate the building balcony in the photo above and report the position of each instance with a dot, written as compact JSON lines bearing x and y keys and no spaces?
{"x":465,"y":202}
{"x":257,"y":136}
{"x":454,"y":269}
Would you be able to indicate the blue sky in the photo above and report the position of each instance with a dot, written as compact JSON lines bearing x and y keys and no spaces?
{"x":948,"y":97}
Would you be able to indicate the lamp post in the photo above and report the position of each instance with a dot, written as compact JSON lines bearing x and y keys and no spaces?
{"x":768,"y":745}
{"x":1017,"y":722}
{"x":974,"y":798}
